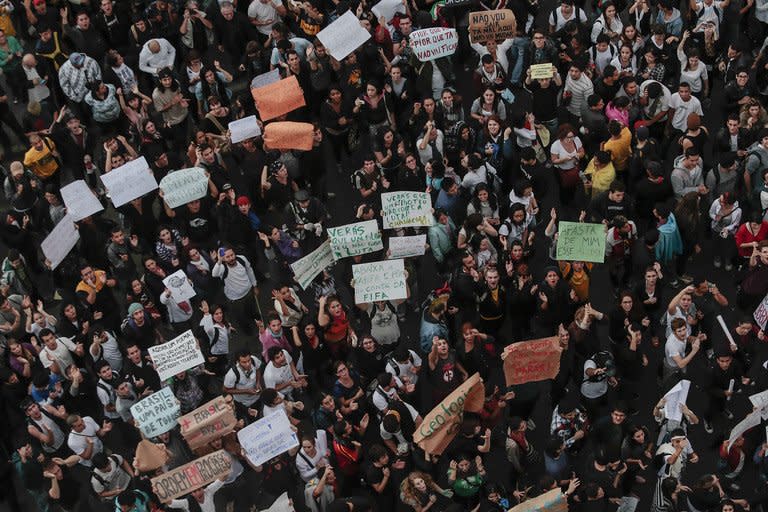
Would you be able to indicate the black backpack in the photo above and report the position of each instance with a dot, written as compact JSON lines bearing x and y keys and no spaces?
{"x":242,"y":261}
{"x":233,"y":367}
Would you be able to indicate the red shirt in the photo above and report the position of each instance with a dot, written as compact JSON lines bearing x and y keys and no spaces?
{"x":743,"y":236}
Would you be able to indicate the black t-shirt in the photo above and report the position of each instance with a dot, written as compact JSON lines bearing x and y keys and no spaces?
{"x":199,"y":226}
{"x":69,"y":490}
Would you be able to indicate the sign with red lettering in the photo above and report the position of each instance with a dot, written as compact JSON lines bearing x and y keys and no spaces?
{"x":532,"y":360}
{"x":187,"y":478}
{"x":218,"y":427}
{"x":442,"y":423}
{"x":433,"y":43}
{"x":203,"y":415}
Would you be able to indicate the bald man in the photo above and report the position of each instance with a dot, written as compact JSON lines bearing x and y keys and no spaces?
{"x":155,"y":55}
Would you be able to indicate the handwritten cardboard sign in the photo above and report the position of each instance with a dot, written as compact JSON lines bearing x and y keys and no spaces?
{"x":433,"y":43}
{"x":222,"y":425}
{"x":175,"y":356}
{"x":179,"y":285}
{"x":196,"y":474}
{"x":204,"y":414}
{"x":380,"y":280}
{"x":267,"y":78}
{"x":495,"y":25}
{"x":278,"y":98}
{"x":307,"y":268}
{"x":403,"y":209}
{"x":157,"y":413}
{"x":539,"y":71}
{"x":267,"y":438}
{"x":60,"y":241}
{"x":80,"y":200}
{"x":407,"y":246}
{"x":343,"y":36}
{"x":581,"y":241}
{"x":288,"y":135}
{"x":355,"y":239}
{"x":129,"y":181}
{"x":442,"y":423}
{"x":532,"y":360}
{"x":183,"y":186}
{"x":458,"y":3}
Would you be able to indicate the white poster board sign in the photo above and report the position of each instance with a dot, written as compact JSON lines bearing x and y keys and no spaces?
{"x":281,"y":504}
{"x":179,"y":285}
{"x":175,"y":356}
{"x":433,"y":43}
{"x":268,"y":437}
{"x":407,"y":246}
{"x":404,"y":209}
{"x":182,"y":186}
{"x":267,"y":78}
{"x":80,"y":200}
{"x":675,"y":398}
{"x":129,"y":181}
{"x":157,"y":413}
{"x":388,"y":8}
{"x":60,"y":241}
{"x":750,"y":421}
{"x":355,"y":239}
{"x":244,"y":128}
{"x":761,"y":313}
{"x":760,"y":400}
{"x":380,"y":280}
{"x":343,"y":36}
{"x":307,"y":268}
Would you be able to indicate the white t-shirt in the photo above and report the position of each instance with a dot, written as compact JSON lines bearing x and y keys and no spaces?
{"x":405,"y":368}
{"x":673,"y":347}
{"x":62,"y":354}
{"x":274,"y":375}
{"x":247,"y":381}
{"x":58,"y":434}
{"x":207,"y":505}
{"x":264,"y":12}
{"x":558,"y":149}
{"x":654,"y":108}
{"x":591,"y":389}
{"x":307,"y":465}
{"x":682,"y":109}
{"x":78,"y":444}
{"x":558,"y":20}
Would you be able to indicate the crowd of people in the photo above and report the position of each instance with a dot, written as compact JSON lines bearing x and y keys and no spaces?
{"x":647,"y":118}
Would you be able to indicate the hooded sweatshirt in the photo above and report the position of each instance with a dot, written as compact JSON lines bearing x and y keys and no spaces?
{"x":684,"y":180}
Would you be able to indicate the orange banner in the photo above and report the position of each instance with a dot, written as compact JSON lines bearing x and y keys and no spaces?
{"x":442,"y":423}
{"x":288,"y":135}
{"x":278,"y":98}
{"x":532,"y":360}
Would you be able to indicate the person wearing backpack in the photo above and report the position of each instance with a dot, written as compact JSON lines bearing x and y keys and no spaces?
{"x":756,"y":163}
{"x":240,"y":287}
{"x":42,"y":426}
{"x":111,"y":475}
{"x":243,"y":382}
{"x":724,"y":177}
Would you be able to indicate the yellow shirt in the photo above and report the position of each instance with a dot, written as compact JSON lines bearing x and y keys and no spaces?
{"x":620,"y":149}
{"x":601,"y":179}
{"x":42,"y":163}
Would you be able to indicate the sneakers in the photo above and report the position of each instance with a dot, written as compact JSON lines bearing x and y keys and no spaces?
{"x":530,"y":424}
{"x":728,"y":414}
{"x":708,"y":427}
{"x":685,"y":278}
{"x":717,"y":263}
{"x":728,"y":267}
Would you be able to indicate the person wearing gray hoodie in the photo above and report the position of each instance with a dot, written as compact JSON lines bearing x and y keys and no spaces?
{"x":688,"y":174}
{"x":756,"y":162}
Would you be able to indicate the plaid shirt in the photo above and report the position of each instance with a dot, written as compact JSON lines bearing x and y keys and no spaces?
{"x":564,"y":428}
{"x":74,"y":82}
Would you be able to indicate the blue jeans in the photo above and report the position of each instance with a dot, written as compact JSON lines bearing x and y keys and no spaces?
{"x":519,"y":44}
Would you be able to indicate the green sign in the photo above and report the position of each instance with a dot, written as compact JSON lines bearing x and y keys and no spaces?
{"x":578,"y":241}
